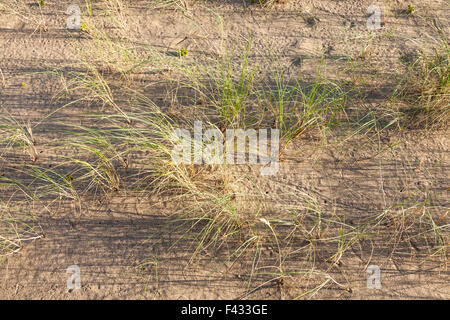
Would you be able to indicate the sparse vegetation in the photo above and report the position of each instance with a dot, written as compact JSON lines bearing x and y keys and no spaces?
{"x":426,"y":89}
{"x":112,"y":136}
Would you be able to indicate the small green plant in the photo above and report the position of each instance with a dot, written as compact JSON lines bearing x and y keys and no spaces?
{"x":41,"y":3}
{"x":411,"y":9}
{"x":182,"y":52}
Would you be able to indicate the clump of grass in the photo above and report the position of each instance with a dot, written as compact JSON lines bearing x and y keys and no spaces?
{"x":426,"y":90}
{"x":98,"y":166}
{"x":251,"y":96}
{"x":225,"y":83}
{"x":94,"y":87}
{"x":109,"y":50}
{"x":233,"y":92}
{"x":300,"y":106}
{"x":13,"y":133}
{"x":17,"y":224}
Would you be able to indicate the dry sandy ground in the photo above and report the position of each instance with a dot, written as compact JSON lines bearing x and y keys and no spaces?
{"x":111,"y":238}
